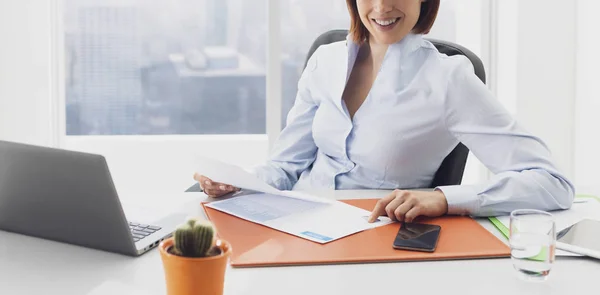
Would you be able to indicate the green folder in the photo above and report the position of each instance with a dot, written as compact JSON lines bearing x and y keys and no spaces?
{"x":506,"y":232}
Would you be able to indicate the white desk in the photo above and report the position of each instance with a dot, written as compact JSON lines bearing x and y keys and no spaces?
{"x":33,"y":266}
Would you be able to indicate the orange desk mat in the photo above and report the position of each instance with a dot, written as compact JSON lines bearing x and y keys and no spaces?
{"x":256,"y":245}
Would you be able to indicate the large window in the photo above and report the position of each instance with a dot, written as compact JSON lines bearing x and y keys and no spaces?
{"x":139,"y":67}
{"x":151,"y":83}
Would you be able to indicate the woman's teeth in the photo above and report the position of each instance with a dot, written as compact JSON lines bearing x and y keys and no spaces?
{"x":388,"y":22}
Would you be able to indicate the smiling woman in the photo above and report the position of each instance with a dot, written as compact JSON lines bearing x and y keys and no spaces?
{"x":369,"y":108}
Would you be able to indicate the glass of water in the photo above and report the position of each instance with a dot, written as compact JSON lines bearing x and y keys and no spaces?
{"x":532,"y":243}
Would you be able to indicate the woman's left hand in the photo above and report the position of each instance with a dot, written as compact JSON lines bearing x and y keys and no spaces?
{"x":402,"y":205}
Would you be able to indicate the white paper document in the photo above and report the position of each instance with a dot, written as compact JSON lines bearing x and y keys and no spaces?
{"x":320,"y":222}
{"x":233,"y":175}
{"x":300,"y":214}
{"x":236,"y":176}
{"x":581,"y":209}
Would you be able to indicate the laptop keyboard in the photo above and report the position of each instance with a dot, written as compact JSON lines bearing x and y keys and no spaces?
{"x":140,"y":231}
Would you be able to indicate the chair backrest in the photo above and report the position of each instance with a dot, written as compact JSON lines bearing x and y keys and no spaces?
{"x":451,"y":170}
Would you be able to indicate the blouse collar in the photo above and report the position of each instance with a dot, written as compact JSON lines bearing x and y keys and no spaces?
{"x":410,"y":43}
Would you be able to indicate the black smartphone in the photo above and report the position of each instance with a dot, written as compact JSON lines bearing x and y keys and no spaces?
{"x":417,"y":237}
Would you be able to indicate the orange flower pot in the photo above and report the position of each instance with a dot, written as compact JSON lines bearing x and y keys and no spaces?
{"x":197,"y":276}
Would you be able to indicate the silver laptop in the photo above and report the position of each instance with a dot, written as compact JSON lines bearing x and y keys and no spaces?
{"x":70,"y":197}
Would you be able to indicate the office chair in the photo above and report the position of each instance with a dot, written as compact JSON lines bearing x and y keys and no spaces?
{"x":452,"y":168}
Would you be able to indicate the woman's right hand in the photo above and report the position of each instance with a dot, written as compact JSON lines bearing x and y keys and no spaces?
{"x":214,"y":189}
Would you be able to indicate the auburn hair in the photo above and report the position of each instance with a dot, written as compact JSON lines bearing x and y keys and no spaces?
{"x":427,"y":16}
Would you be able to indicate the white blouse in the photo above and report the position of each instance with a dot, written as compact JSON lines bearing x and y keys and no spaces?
{"x":421,"y":105}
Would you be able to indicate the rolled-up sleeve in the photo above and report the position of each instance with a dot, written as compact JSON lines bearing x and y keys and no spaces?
{"x":295,"y":150}
{"x":524,"y":174}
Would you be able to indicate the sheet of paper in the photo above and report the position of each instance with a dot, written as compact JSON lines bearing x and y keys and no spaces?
{"x":316,"y":221}
{"x":589,"y":209}
{"x":233,"y":175}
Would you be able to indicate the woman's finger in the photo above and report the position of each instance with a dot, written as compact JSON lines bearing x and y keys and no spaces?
{"x":379,"y":209}
{"x":413,"y":213}
{"x":212,"y":193}
{"x":201,"y":178}
{"x":218,"y":187}
{"x":205,"y":182}
{"x":225,"y":188}
{"x":400,"y":212}
{"x":197,"y":176}
{"x":208,"y":185}
{"x":391,"y":207}
{"x":217,"y":190}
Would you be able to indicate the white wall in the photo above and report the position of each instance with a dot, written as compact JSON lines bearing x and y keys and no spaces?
{"x":25,"y":72}
{"x":533,"y":82}
{"x":587,"y":135}
{"x":505,"y":52}
{"x":546,"y":74}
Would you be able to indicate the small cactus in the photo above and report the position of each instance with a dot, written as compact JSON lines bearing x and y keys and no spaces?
{"x":195,"y":238}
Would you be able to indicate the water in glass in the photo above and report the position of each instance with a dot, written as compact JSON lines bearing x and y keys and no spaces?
{"x":532,"y":243}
